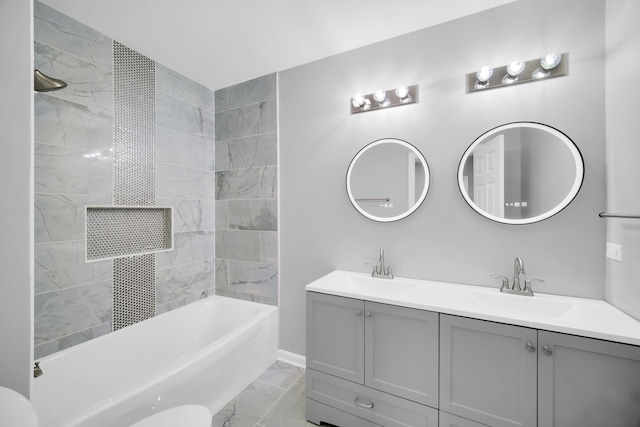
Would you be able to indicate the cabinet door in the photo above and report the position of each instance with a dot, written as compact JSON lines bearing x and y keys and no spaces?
{"x":401,"y":352}
{"x":586,"y":382}
{"x":335,"y":336}
{"x":488,"y":371}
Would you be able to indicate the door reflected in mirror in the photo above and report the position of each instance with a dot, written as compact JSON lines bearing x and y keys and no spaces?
{"x":520,"y":173}
{"x":387,"y":180}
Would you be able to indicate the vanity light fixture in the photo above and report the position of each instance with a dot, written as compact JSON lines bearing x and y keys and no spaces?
{"x":402,"y":95}
{"x":550,"y":65}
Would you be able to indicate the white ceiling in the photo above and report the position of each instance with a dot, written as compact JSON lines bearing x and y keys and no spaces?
{"x":223,"y":43}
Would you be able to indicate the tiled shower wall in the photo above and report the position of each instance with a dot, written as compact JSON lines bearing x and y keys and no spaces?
{"x":74,"y":168}
{"x":246,"y":191}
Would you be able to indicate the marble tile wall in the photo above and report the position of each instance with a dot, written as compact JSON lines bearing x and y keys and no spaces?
{"x":74,"y":168}
{"x":246,"y":191}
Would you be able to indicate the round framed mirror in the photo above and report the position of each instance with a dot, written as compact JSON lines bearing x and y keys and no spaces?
{"x":387,"y":180}
{"x":520,"y":173}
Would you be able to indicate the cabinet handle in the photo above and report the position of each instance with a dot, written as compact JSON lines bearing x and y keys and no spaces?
{"x":359,"y":313}
{"x":531,"y":347}
{"x":364,"y":405}
{"x":368,"y":314}
{"x":547,"y":350}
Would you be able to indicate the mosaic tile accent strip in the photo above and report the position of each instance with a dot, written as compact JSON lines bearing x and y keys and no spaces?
{"x":134,"y":136}
{"x":121,"y":231}
{"x":134,"y":127}
{"x":134,"y":291}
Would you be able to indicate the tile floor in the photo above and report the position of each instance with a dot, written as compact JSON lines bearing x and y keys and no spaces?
{"x":275,"y":399}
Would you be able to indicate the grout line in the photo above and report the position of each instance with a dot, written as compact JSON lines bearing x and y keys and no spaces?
{"x":279,"y":398}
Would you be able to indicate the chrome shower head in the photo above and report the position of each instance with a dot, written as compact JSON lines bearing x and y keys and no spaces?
{"x":44,"y":83}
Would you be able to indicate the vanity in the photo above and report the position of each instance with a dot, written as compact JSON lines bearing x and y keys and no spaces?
{"x":408,"y":352}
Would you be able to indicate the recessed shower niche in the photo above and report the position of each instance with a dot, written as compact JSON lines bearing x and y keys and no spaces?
{"x":116,"y":231}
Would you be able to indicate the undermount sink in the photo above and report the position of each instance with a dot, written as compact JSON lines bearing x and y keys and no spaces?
{"x":521,"y":305}
{"x":381,"y":287}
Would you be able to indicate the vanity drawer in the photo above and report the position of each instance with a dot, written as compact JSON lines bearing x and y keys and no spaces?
{"x":372,"y":405}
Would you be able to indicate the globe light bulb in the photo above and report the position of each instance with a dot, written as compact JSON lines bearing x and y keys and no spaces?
{"x":380,"y":95}
{"x":358,"y":100}
{"x":484,"y":74}
{"x":515,"y":68}
{"x":550,"y":61}
{"x":402,"y":91}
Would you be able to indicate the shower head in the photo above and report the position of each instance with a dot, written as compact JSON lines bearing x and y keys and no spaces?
{"x":44,"y":83}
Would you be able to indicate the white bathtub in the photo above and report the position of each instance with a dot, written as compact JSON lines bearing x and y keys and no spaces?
{"x":204,"y":353}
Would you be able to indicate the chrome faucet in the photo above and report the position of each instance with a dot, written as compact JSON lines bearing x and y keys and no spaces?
{"x":518,"y":269}
{"x":380,"y":270}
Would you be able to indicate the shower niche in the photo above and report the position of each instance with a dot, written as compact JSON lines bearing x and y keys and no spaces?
{"x":117,"y":231}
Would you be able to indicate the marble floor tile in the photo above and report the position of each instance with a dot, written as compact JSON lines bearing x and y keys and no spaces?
{"x":275,"y":399}
{"x":281,"y":374}
{"x":249,"y":406}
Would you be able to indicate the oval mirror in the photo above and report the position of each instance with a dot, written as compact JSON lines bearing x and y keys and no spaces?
{"x":520,"y":173}
{"x":387,"y":180}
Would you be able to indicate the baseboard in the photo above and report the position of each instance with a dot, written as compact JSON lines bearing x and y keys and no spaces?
{"x":292,"y":358}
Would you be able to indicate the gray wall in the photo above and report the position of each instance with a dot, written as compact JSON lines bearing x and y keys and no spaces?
{"x":74,"y":168}
{"x":16,"y":190}
{"x":445,"y":239}
{"x":623,"y":151}
{"x":246,"y":191}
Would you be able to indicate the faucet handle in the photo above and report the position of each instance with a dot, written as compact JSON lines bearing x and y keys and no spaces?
{"x":505,"y":281}
{"x":390,"y":269}
{"x":527,"y":285}
{"x":375,"y":267}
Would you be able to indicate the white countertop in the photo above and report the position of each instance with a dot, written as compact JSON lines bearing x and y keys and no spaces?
{"x":577,"y":316}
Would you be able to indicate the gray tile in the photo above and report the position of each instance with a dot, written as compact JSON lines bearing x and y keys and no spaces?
{"x":289,"y":410}
{"x":248,"y":407}
{"x":238,"y":122}
{"x":67,"y":34}
{"x":240,"y":184}
{"x":72,"y":171}
{"x":268,"y":182}
{"x":222,"y":156}
{"x":184,"y":150}
{"x":61,"y":217}
{"x":188,"y":280}
{"x":190,"y":214}
{"x":248,"y":297}
{"x":181,"y":87}
{"x":221,"y":99}
{"x":253,"y":278}
{"x":252,"y":151}
{"x":268,"y":116}
{"x":253,"y":214}
{"x":222,"y":214}
{"x":62,"y":313}
{"x":62,"y":265}
{"x":239,"y":245}
{"x":178,"y":182}
{"x":281,"y":374}
{"x":88,"y":84}
{"x":50,"y":347}
{"x":69,"y":124}
{"x":188,"y":247}
{"x":252,"y":91}
{"x":269,"y":247}
{"x":180,"y":116}
{"x":222,"y":275}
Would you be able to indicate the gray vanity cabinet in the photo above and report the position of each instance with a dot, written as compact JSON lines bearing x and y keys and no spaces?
{"x":401,"y":352}
{"x":587,"y":382}
{"x":488,"y":371}
{"x":376,"y":361}
{"x":335,"y":336}
{"x":449,"y":420}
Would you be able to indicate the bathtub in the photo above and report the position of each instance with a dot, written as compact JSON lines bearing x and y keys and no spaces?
{"x":204,"y":353}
